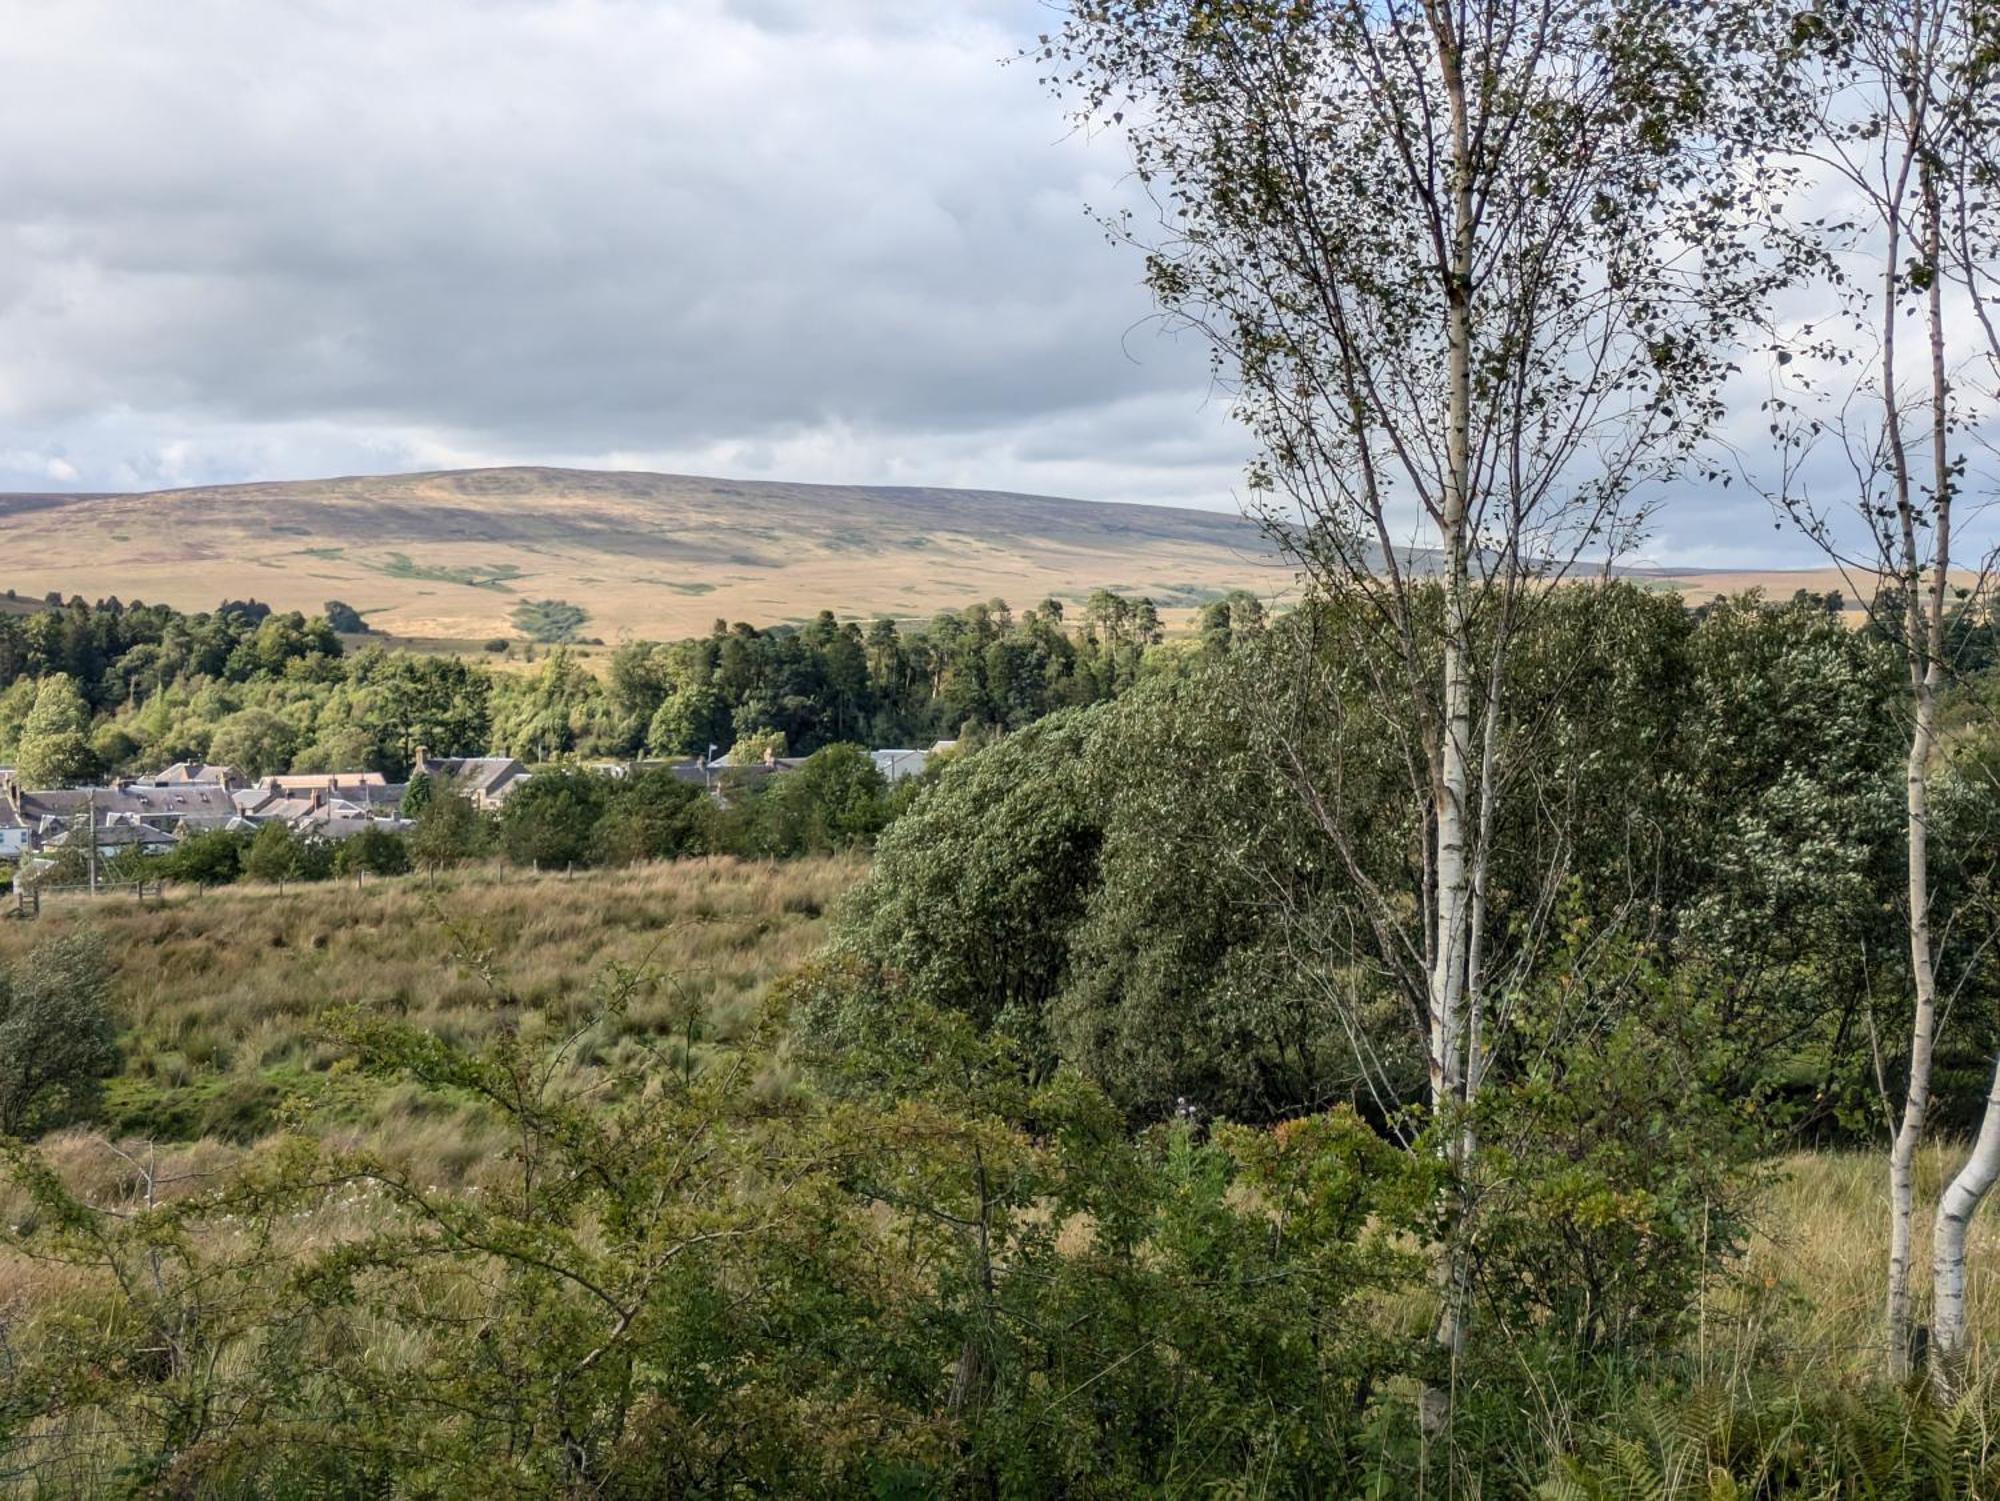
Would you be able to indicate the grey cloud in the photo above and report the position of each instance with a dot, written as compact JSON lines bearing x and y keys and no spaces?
{"x":812,"y":239}
{"x":574,"y":226}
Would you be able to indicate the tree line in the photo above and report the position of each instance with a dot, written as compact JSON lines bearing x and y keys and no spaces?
{"x":96,"y":690}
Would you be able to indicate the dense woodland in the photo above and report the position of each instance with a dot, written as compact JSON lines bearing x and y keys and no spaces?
{"x":1490,"y":1030}
{"x":128,"y":688}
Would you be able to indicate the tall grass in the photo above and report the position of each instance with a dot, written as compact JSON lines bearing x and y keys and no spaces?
{"x":219,"y":993}
{"x":1812,"y":1288}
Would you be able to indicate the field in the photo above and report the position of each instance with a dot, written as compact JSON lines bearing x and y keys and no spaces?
{"x":446,"y":561}
{"x":219,"y":995}
{"x":453,"y":556}
{"x":218,"y":992}
{"x":221,"y":998}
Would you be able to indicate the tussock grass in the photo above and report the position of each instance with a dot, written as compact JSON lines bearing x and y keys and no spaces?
{"x":1812,"y":1287}
{"x":220,"y":993}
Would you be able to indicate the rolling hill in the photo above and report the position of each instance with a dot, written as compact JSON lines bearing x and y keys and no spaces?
{"x":453,"y":555}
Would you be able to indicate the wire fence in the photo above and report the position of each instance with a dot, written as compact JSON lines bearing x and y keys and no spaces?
{"x":29,"y":895}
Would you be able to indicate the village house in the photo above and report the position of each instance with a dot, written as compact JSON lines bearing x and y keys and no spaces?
{"x":194,"y":774}
{"x":114,"y":838}
{"x":486,"y":780}
{"x":325,"y":781}
{"x":168,"y":808}
{"x":330,"y":824}
{"x":153,"y":813}
{"x":14,"y":831}
{"x":359,"y":794}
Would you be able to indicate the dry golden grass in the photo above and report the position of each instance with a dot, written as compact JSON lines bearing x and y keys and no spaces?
{"x":219,"y":993}
{"x":1813,"y":1274}
{"x":1855,"y":586}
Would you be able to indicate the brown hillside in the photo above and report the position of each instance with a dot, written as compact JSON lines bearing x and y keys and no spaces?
{"x":453,"y":554}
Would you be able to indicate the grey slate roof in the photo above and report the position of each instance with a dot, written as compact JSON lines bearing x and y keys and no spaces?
{"x":337,"y":828}
{"x":117,"y":836}
{"x":324,"y":781}
{"x":485,"y":779}
{"x":186,"y":773}
{"x":162,"y":806}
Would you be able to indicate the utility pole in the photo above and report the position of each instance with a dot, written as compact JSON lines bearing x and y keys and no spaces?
{"x":90,"y":813}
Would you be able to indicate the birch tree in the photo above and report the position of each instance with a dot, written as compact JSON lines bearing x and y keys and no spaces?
{"x":1961,"y":178}
{"x":1906,"y":95}
{"x":1471,"y":271}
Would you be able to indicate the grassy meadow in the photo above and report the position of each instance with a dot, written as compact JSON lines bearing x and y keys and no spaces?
{"x":220,"y":1000}
{"x":452,"y":555}
{"x":219,"y":991}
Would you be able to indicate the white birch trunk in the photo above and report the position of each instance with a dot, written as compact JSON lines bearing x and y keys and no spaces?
{"x":1918,"y":632}
{"x":1454,"y":870}
{"x":1960,"y":1203}
{"x":1968,"y":1190}
{"x":1916,"y":1102}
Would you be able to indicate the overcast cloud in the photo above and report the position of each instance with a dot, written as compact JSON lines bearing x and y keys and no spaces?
{"x":803,"y":239}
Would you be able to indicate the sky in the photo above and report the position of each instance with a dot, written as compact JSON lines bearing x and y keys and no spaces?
{"x":821,"y":240}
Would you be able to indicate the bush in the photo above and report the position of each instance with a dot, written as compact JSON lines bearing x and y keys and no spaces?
{"x":930,"y":1281}
{"x":417,"y":794}
{"x":273,"y":855}
{"x":57,"y":1041}
{"x":976,"y":891}
{"x":344,"y":618}
{"x":375,"y":851}
{"x":653,"y":815}
{"x":213,"y":858}
{"x":1614,"y":1176}
{"x":550,"y":821}
{"x":448,"y":831}
{"x":835,"y":801}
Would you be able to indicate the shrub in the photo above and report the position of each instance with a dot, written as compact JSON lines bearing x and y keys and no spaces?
{"x":376,"y":851}
{"x":551,"y":819}
{"x":976,"y":891}
{"x":273,"y":856}
{"x":57,"y":1041}
{"x":931,"y":1281}
{"x":836,"y":801}
{"x":653,"y":816}
{"x":1614,"y":1176}
{"x":213,"y":858}
{"x":417,"y":794}
{"x":344,"y":618}
{"x":448,"y":831}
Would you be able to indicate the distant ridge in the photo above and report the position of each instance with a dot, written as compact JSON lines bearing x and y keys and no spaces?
{"x":454,"y":553}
